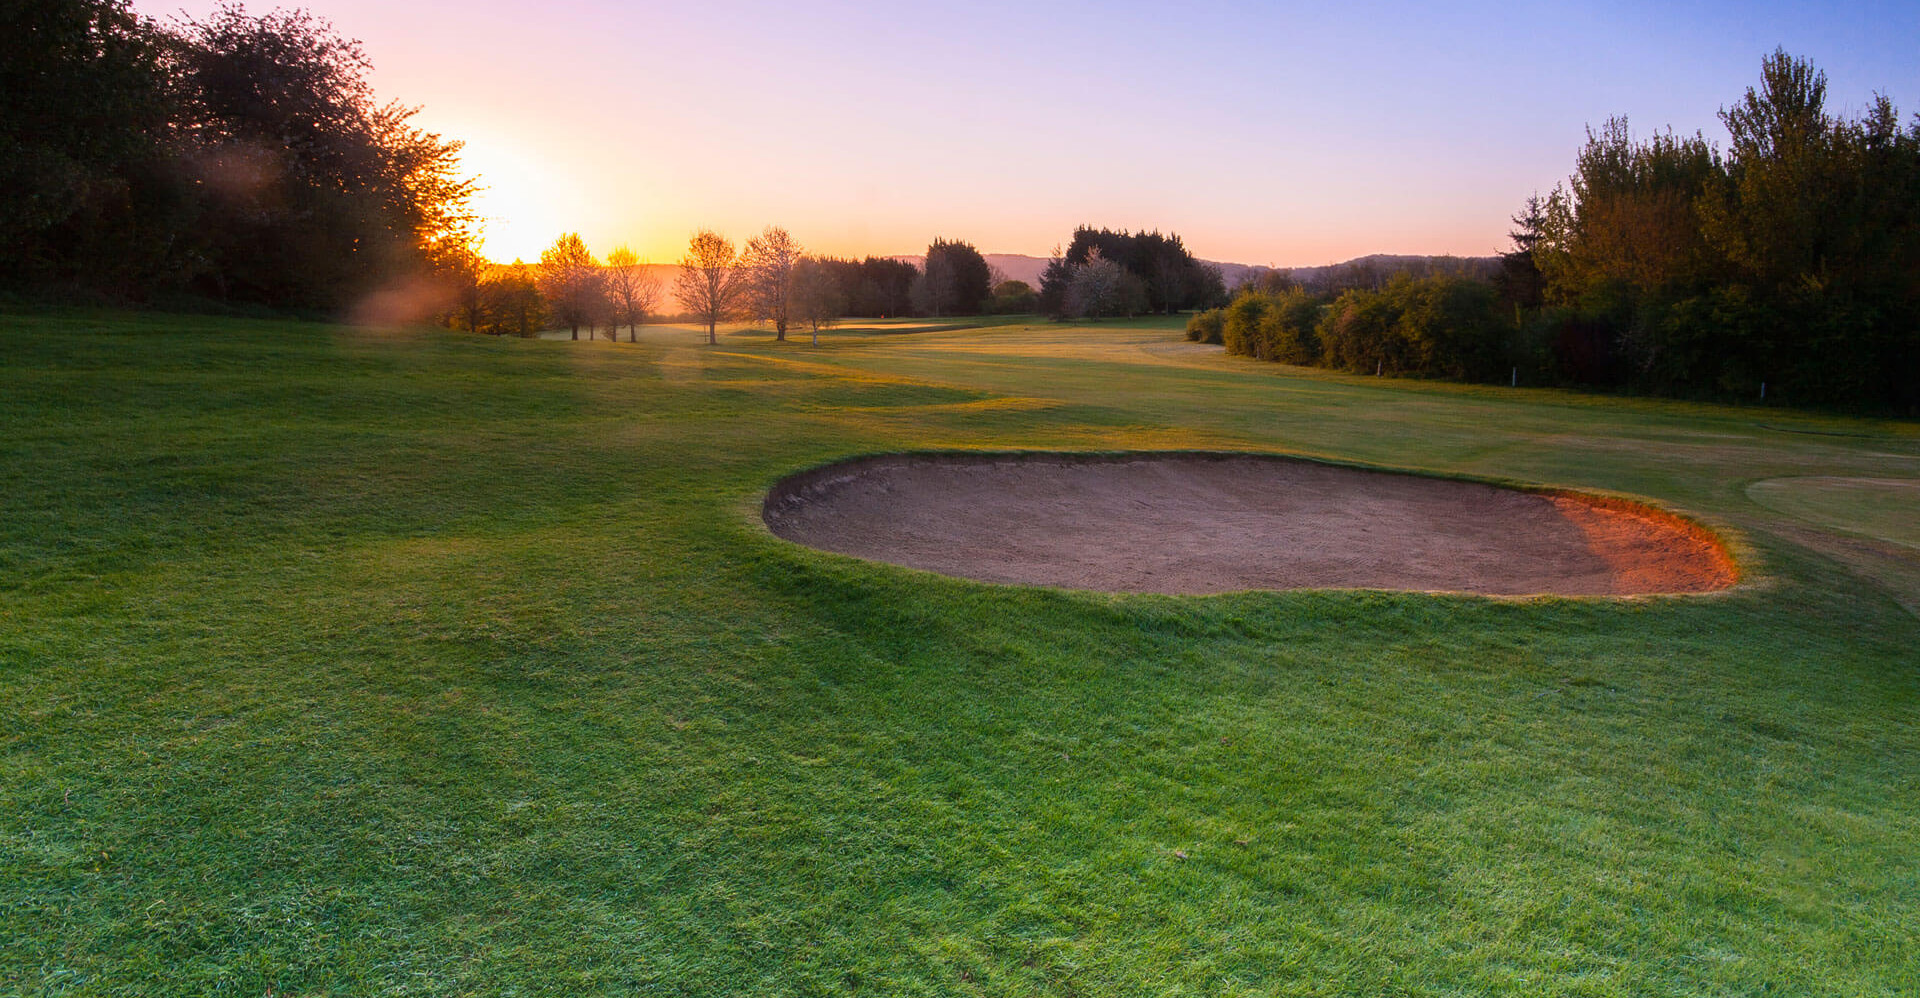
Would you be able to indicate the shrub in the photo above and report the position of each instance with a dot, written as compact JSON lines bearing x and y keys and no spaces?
{"x":1240,"y":330}
{"x":1357,"y":334}
{"x":1205,"y":327}
{"x":1287,"y":329}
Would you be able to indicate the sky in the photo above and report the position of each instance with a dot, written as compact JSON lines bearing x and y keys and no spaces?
{"x":1262,"y":133}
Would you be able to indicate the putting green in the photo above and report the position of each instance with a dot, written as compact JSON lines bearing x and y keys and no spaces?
{"x":1887,"y":509}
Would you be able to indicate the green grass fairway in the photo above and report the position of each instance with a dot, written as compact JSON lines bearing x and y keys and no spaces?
{"x":347,"y":662}
{"x":1888,"y":510}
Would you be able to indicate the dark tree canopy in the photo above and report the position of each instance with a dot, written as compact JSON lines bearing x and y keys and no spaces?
{"x":961,"y":282}
{"x":241,"y":157}
{"x":876,"y":287}
{"x":1171,"y":277}
{"x":1791,"y":260}
{"x":84,"y":119}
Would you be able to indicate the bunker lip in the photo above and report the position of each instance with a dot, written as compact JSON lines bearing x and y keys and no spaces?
{"x":1196,"y":522}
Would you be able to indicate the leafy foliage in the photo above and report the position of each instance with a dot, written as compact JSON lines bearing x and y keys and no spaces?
{"x":1441,"y":326}
{"x":1791,"y":260}
{"x":956,"y":280}
{"x":572,"y":283}
{"x":241,"y":157}
{"x":1169,"y":277}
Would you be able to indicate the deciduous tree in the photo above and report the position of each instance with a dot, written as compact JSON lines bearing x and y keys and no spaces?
{"x":767,"y":268}
{"x":709,"y":284}
{"x":513,"y":302}
{"x":572,"y":283}
{"x":817,"y":298}
{"x":630,"y":291}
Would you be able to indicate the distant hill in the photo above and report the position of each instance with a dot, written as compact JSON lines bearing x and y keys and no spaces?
{"x":1381,"y":264}
{"x":1020,"y":267}
{"x":1016,"y":266}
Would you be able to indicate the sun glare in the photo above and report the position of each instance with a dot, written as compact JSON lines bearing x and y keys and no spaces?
{"x":524,"y":202}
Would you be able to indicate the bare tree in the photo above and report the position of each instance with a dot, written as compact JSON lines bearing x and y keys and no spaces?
{"x":631,"y":292}
{"x":817,"y":298}
{"x":768,"y":264}
{"x":571,"y":281}
{"x":709,"y":286}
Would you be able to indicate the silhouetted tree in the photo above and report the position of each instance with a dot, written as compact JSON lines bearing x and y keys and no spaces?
{"x":817,"y":298}
{"x":956,"y":279}
{"x":512,"y":300}
{"x":571,"y":281}
{"x":630,"y":291}
{"x":1519,"y":280}
{"x":709,"y":285}
{"x":1169,"y":275}
{"x":85,"y":111}
{"x":239,"y":156}
{"x":767,"y":268}
{"x":462,"y":273}
{"x":313,"y":192}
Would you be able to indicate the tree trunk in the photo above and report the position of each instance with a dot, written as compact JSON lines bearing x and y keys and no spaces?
{"x":710,"y":340}
{"x":576,"y":330}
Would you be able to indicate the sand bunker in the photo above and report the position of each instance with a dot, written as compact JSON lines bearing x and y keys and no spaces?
{"x":1209,"y":523}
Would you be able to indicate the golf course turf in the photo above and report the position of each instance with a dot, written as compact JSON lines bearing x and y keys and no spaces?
{"x":342,"y":661}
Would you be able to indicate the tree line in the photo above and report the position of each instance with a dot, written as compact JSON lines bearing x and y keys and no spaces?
{"x":1104,"y":273}
{"x":1785,"y":268}
{"x":771,"y":278}
{"x":240,"y":158}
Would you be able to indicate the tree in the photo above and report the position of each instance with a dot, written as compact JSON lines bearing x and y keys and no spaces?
{"x":1052,"y":300}
{"x":462,"y":273}
{"x":885,"y":287}
{"x":709,"y":286}
{"x":237,"y":156}
{"x":933,"y":291}
{"x":1170,"y":275}
{"x":767,"y":270}
{"x":571,"y":281}
{"x":312,"y":193}
{"x":1101,"y":287}
{"x":817,"y":298}
{"x":1519,"y":280}
{"x":630,"y":291}
{"x":956,"y":278}
{"x":1013,"y":297}
{"x":513,"y":302}
{"x":84,"y":112}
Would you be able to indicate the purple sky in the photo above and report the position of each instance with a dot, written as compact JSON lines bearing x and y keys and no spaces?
{"x":1262,"y":133}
